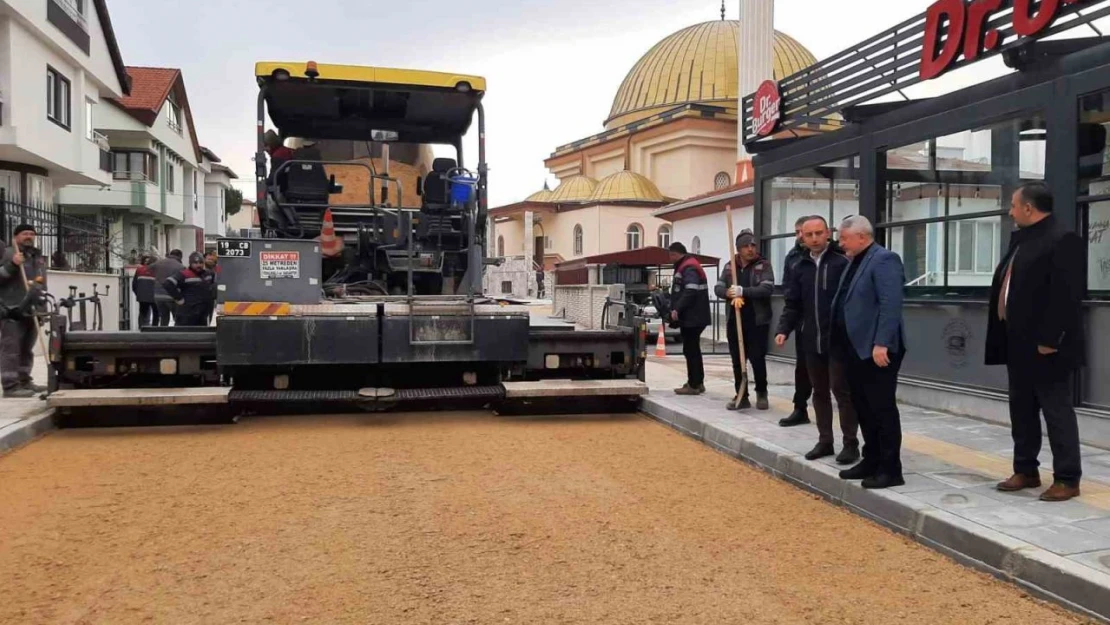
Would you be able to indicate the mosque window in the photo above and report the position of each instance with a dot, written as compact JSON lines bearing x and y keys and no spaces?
{"x":500,"y":246}
{"x":578,"y":246}
{"x":721,"y":180}
{"x":695,"y":245}
{"x":664,"y":236}
{"x":634,"y":237}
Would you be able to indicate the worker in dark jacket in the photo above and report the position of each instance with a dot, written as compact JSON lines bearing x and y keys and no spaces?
{"x":1035,"y":328}
{"x":143,"y":285}
{"x":17,"y":336}
{"x":808,"y":311}
{"x":802,"y":386}
{"x":211,"y":263}
{"x":756,"y":285}
{"x":163,"y":269}
{"x":690,"y":310}
{"x":191,"y":290}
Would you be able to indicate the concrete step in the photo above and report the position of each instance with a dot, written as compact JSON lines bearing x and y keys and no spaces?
{"x":88,"y":398}
{"x":575,"y":388}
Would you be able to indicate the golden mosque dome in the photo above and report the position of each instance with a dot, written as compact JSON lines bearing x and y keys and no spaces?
{"x":626,"y":186}
{"x":697,"y":64}
{"x":573,"y":189}
{"x":543,"y":195}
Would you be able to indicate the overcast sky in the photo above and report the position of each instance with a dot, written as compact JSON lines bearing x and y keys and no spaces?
{"x":553,"y":66}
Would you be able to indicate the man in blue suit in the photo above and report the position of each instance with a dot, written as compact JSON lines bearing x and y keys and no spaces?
{"x":867,"y":335}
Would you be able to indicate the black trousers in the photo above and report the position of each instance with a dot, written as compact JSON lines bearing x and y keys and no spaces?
{"x":165,"y":312}
{"x":873,"y":389}
{"x":756,"y":340}
{"x":17,"y":345}
{"x":148,"y":314}
{"x":830,"y":378}
{"x":691,"y":349}
{"x":1029,"y":397}
{"x":802,"y":386}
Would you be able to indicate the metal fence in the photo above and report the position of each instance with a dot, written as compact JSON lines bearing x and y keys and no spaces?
{"x":69,"y":243}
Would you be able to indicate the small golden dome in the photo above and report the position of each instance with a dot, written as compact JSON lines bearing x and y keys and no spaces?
{"x":626,"y":186}
{"x":697,"y":64}
{"x":543,"y":195}
{"x":574,"y":189}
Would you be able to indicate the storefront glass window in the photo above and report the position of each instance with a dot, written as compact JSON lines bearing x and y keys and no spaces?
{"x":830,"y":190}
{"x":1094,"y":188}
{"x":945,"y":199}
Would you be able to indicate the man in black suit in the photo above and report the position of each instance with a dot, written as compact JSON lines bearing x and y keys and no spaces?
{"x":1035,"y":328}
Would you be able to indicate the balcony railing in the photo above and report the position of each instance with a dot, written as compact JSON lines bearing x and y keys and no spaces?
{"x":101,"y":141}
{"x":133,"y":176}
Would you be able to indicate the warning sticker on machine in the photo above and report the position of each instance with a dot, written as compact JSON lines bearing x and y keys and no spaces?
{"x":280,"y":265}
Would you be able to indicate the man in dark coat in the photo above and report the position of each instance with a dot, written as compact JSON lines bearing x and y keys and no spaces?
{"x":803,"y":387}
{"x":17,"y":335}
{"x":1035,"y":328}
{"x":808,"y":310}
{"x":143,"y":285}
{"x":191,"y":289}
{"x":162,"y":270}
{"x":755,"y":286}
{"x":690,"y":310}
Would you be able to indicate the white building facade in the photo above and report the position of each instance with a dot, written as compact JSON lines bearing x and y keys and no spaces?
{"x":58,"y":61}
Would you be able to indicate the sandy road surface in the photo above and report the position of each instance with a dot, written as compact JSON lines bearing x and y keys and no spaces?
{"x":461,"y":518}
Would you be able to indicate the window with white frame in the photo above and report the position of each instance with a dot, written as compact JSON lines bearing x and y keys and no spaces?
{"x":57,"y":98}
{"x":169,"y":176}
{"x":173,"y":112}
{"x":695,"y":245}
{"x":634,"y":237}
{"x":664,"y":236}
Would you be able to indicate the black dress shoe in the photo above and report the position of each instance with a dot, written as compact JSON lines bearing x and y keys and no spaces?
{"x":822,"y":450}
{"x":799,"y":417}
{"x":859,"y":472}
{"x":848,"y":455}
{"x":883,"y":480}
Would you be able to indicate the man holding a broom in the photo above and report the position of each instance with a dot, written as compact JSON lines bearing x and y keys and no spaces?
{"x":21,"y":263}
{"x":752,"y":289}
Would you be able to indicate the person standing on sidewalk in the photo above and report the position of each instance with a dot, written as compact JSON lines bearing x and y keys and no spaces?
{"x":808,"y":310}
{"x":803,"y":388}
{"x":1035,"y":328}
{"x":212,"y":266}
{"x":143,"y":285}
{"x":868,"y":335}
{"x":163,"y":269}
{"x":17,"y":336}
{"x":690,"y":310}
{"x":755,"y":286}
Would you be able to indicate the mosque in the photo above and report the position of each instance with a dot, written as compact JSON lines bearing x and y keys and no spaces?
{"x":670,"y":140}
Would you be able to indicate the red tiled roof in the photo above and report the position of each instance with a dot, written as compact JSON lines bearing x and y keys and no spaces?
{"x":150,"y":87}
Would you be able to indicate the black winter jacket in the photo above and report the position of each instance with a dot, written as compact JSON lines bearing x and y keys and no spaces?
{"x":758,"y":282}
{"x":809,"y":297}
{"x":690,"y":293}
{"x":194,"y":291}
{"x":1044,"y":305}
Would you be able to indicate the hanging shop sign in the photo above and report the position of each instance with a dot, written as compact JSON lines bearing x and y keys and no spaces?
{"x":953,"y":27}
{"x":767,"y":108}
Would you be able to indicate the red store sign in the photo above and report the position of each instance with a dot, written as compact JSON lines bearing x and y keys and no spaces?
{"x":766,"y":109}
{"x":968,"y":30}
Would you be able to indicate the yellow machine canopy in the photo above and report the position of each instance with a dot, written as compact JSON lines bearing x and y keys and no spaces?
{"x":345,"y":102}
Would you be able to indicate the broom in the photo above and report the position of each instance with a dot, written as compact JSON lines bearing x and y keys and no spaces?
{"x":735,"y":273}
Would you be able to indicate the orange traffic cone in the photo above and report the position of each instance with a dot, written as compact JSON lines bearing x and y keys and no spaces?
{"x":661,"y":343}
{"x":329,"y":244}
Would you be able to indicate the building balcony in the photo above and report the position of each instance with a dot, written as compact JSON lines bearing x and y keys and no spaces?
{"x":96,"y":158}
{"x":127,"y":190}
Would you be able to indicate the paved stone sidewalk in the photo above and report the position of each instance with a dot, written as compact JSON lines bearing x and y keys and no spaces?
{"x":949,"y":502}
{"x":21,"y":420}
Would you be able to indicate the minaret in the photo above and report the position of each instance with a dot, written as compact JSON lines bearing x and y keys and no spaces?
{"x":756,"y":60}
